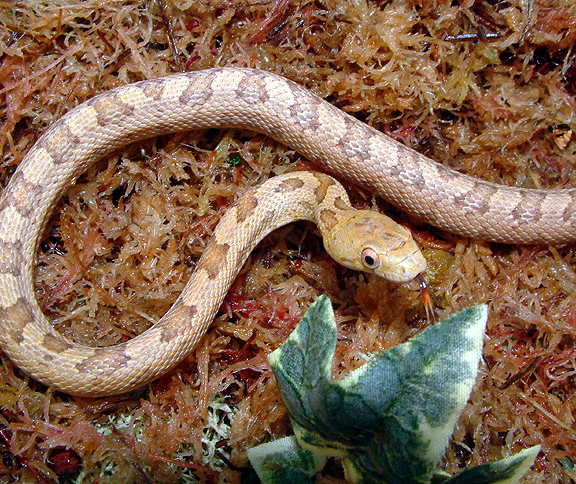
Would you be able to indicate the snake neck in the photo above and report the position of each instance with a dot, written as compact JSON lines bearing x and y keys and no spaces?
{"x":85,"y":370}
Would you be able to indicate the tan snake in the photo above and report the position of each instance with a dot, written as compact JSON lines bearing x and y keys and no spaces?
{"x":235,"y":97}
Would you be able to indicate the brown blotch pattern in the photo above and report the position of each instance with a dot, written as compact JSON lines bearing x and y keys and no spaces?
{"x":16,"y":317}
{"x":54,"y":344}
{"x":11,"y":264}
{"x":252,"y":89}
{"x":59,"y":142}
{"x":341,"y":204}
{"x":104,"y":360}
{"x":354,"y":140}
{"x":111,"y":110}
{"x":569,"y":212}
{"x":154,"y":89}
{"x":526,"y":213}
{"x":461,"y":199}
{"x":213,"y":260}
{"x":328,"y":218}
{"x":197,"y":93}
{"x":46,"y":357}
{"x":23,"y":193}
{"x":246,"y":207}
{"x":482,"y":206}
{"x":412,"y":176}
{"x":290,"y":185}
{"x":470,"y":203}
{"x":322,"y":189}
{"x":183,"y":312}
{"x":304,"y":122}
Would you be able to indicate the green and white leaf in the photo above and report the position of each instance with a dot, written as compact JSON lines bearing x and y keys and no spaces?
{"x":285,"y":462}
{"x":505,"y":471}
{"x":390,"y":419}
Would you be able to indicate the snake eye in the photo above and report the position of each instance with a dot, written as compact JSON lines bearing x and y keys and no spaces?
{"x":370,"y":258}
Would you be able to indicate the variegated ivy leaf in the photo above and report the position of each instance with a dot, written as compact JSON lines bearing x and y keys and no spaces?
{"x":390,"y":420}
{"x":505,"y":471}
{"x":283,"y":461}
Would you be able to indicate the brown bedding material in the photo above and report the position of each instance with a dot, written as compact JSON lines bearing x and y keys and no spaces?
{"x":486,"y":87}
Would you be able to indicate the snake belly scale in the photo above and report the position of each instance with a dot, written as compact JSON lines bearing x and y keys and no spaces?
{"x":231,"y":97}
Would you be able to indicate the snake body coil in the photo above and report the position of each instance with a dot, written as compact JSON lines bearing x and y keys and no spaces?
{"x":230,"y":97}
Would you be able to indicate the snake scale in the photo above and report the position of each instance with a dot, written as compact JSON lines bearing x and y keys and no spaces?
{"x":286,"y":111}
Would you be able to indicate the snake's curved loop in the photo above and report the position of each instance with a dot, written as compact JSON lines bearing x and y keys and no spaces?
{"x":36,"y":347}
{"x":232,"y":97}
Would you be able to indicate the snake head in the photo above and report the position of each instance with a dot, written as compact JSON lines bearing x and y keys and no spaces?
{"x":371,"y":242}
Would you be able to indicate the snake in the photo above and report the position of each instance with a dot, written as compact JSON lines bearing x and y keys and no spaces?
{"x":289,"y":113}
